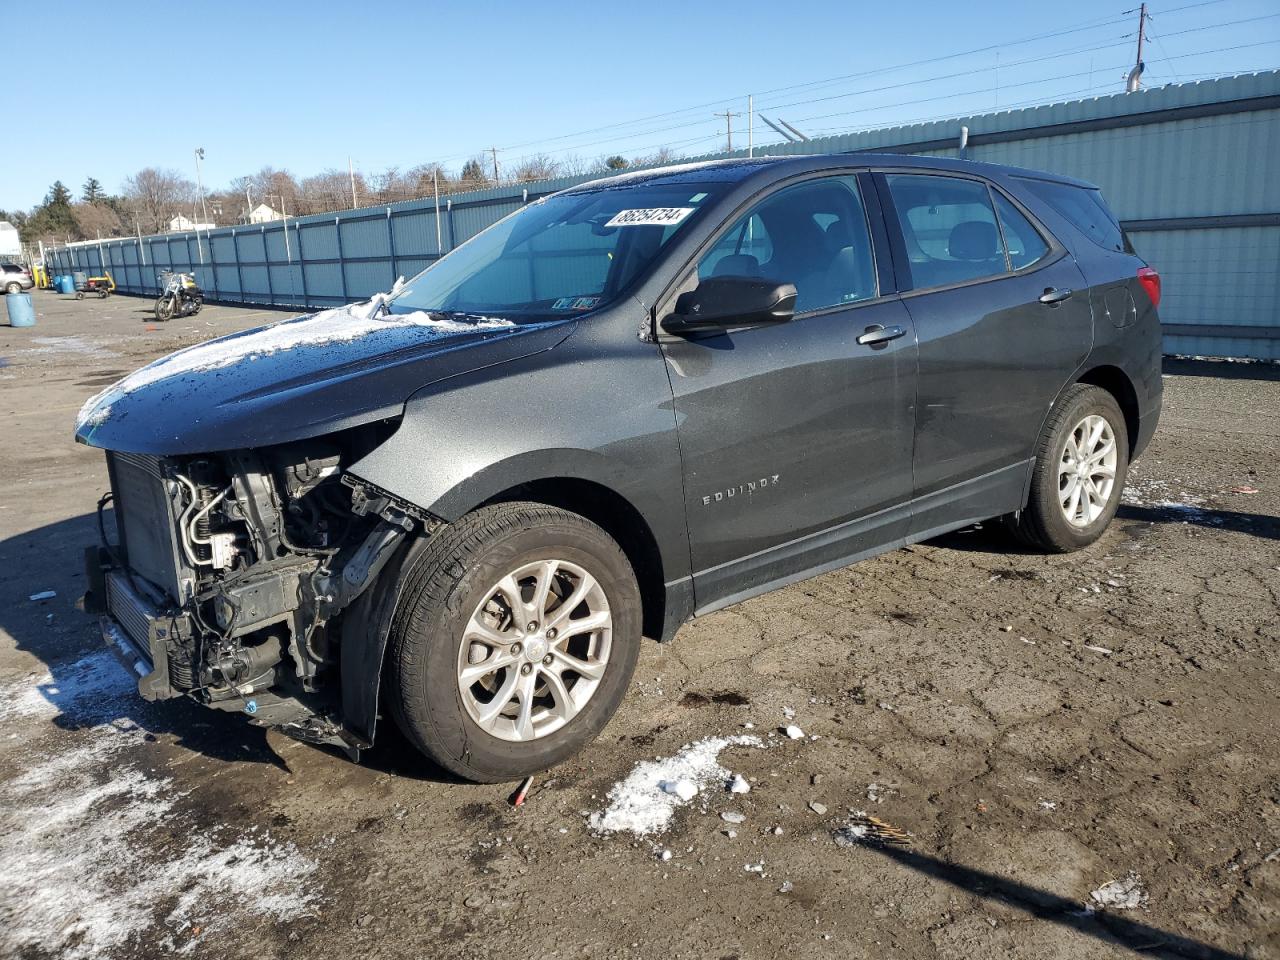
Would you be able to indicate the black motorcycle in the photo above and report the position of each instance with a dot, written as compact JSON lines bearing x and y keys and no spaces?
{"x":181,"y":296}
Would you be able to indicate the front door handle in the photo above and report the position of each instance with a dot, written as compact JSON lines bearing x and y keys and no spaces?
{"x":1054,"y":296}
{"x":877,"y":334}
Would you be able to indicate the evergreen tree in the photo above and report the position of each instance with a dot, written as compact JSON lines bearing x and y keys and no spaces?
{"x":92,"y":191}
{"x":58,"y":195}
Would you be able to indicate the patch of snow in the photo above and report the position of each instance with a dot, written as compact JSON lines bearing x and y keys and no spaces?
{"x":1126,"y":894}
{"x":739,"y":784}
{"x":733,"y":816}
{"x":640,"y":804}
{"x":683,"y":788}
{"x":43,"y":595}
{"x":337,"y":325}
{"x":794,"y":732}
{"x":88,"y":689}
{"x":97,"y":853}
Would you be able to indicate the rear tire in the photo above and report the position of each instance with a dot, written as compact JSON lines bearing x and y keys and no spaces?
{"x":454,"y":619}
{"x":1082,"y":459}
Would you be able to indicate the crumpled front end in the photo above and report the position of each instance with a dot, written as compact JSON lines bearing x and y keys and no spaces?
{"x":226,"y":575}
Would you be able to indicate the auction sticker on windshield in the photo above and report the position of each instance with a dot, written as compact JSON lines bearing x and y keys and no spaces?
{"x":664,"y":216}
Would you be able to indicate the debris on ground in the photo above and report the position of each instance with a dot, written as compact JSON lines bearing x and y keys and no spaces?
{"x":642,"y":805}
{"x":786,"y":887}
{"x":739,"y":784}
{"x":876,"y":792}
{"x":754,"y":867}
{"x":1044,"y":804}
{"x":43,"y":595}
{"x":521,"y":792}
{"x":1126,"y":894}
{"x":864,"y":828}
{"x":818,"y":808}
{"x":1096,"y":649}
{"x":792,"y":731}
{"x":1244,"y":488}
{"x":733,"y":816}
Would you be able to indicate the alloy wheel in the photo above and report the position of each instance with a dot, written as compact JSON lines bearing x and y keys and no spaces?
{"x":1087,"y":471}
{"x":535,"y":650}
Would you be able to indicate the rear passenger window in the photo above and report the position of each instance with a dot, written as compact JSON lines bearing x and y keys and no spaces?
{"x":1086,"y":210}
{"x":1021,"y":239}
{"x":949,"y":228}
{"x":813,"y":235}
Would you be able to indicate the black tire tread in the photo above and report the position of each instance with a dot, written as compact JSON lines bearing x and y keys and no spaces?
{"x":430,"y":585}
{"x":1029,"y":526}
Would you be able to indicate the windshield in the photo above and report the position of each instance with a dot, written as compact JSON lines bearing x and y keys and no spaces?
{"x":560,"y":256}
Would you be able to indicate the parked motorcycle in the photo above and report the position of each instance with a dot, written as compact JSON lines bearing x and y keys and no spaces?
{"x":181,"y":296}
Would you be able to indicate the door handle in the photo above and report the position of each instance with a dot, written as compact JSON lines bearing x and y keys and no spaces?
{"x":877,"y":334}
{"x":1054,"y":296}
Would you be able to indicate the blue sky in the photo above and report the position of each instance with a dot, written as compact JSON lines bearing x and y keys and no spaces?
{"x":304,"y":85}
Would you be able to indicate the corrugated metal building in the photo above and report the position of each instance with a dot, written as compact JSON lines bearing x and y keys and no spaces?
{"x":1191,"y":169}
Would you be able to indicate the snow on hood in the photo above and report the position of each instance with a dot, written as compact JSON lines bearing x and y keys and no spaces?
{"x":336,"y":325}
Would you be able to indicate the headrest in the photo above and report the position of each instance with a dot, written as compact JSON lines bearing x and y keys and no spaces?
{"x":974,"y":240}
{"x":737,"y":265}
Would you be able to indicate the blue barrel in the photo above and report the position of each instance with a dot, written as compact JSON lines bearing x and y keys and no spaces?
{"x":21,"y":312}
{"x":66,"y":285}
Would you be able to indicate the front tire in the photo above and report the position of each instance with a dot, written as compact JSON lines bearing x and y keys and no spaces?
{"x":13,"y":288}
{"x":164,"y":308}
{"x":513,"y":642}
{"x":1082,"y":459}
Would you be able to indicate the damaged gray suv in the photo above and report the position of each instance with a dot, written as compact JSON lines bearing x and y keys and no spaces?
{"x":633,"y":402}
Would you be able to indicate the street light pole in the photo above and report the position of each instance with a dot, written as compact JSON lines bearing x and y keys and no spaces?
{"x":204,"y":210}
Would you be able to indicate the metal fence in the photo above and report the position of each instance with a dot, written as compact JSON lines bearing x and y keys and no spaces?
{"x":1189,"y":168}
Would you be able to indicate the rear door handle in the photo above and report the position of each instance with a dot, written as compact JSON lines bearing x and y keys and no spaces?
{"x":879,"y":334}
{"x":1053,"y":296}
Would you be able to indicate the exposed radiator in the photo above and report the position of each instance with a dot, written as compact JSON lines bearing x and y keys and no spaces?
{"x":145,"y":520}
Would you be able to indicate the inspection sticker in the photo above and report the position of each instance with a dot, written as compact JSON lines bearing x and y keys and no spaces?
{"x":663,"y":216}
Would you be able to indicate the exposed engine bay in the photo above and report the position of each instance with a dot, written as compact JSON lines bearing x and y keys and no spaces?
{"x":227,"y":575}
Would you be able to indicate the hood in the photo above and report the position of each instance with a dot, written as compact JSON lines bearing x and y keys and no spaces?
{"x":298,"y":378}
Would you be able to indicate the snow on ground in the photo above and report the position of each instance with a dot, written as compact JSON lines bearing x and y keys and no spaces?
{"x":643,"y":805}
{"x":1126,"y":894}
{"x":336,"y":325}
{"x":95,"y":852}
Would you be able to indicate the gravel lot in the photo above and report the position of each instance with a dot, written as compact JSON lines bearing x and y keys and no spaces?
{"x":1040,"y":726}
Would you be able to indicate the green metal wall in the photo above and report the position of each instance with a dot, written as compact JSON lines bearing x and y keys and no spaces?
{"x":1193,"y":171}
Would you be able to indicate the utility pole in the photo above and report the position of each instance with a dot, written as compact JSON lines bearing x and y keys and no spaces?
{"x":435,"y":184}
{"x":1134,"y":80}
{"x":751,"y":122}
{"x":728,"y":127}
{"x":351,"y":172}
{"x":494,"y":151}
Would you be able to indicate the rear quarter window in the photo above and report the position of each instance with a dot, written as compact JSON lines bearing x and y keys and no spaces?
{"x":1086,"y":210}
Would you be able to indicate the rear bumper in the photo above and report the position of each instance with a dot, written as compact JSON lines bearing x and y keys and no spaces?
{"x":1148,"y":420}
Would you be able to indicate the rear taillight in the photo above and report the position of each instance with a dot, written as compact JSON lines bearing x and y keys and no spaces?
{"x":1150,"y":281}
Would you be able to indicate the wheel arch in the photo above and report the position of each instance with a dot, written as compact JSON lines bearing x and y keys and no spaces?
{"x":1118,"y":383}
{"x":619,"y":518}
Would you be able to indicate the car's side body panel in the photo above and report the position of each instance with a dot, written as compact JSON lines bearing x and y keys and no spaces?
{"x":597,"y":408}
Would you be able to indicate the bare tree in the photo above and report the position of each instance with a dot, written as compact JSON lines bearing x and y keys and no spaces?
{"x":538,"y":167}
{"x":331,"y":190}
{"x":96,"y":220}
{"x":158,"y":195}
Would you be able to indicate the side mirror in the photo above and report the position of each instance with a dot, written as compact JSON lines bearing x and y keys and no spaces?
{"x":720,"y":302}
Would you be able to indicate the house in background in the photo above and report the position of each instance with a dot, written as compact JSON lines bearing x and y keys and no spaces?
{"x":181,"y":224}
{"x":263,"y":214}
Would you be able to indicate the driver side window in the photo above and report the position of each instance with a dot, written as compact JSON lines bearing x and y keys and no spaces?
{"x":813,"y":235}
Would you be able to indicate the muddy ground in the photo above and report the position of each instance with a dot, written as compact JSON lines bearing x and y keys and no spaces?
{"x":1041,"y":726}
